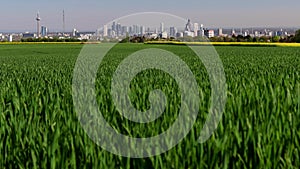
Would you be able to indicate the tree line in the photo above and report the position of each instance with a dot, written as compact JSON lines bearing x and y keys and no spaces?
{"x":239,"y":38}
{"x":52,"y":40}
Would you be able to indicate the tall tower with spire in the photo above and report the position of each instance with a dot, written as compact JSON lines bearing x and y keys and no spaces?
{"x":64,"y":22}
{"x":38,"y":20}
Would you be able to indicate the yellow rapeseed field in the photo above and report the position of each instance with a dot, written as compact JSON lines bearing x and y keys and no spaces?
{"x":227,"y":43}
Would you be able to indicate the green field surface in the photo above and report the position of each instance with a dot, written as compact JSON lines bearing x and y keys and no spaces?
{"x":260,"y":127}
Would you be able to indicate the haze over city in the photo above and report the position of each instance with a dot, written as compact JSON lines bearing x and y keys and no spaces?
{"x":92,"y":14}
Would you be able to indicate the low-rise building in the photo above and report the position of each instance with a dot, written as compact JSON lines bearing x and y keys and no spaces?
{"x":209,"y":33}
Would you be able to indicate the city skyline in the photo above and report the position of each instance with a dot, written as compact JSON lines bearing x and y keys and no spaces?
{"x":92,"y":14}
{"x":192,"y":29}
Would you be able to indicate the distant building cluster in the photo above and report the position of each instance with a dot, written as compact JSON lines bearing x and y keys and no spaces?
{"x":43,"y":32}
{"x":119,"y":31}
{"x":116,"y":31}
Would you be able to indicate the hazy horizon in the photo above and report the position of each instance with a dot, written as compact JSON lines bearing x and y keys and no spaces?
{"x":92,"y":14}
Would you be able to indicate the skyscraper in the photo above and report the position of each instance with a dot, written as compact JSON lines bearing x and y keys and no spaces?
{"x":173,"y":32}
{"x":119,"y":29}
{"x":196,"y":28}
{"x":10,"y":38}
{"x":130,"y":30}
{"x":114,"y":26}
{"x":38,"y":20}
{"x":143,"y":30}
{"x":105,"y":31}
{"x":220,"y":32}
{"x":75,"y":32}
{"x":136,"y":29}
{"x":200,"y":32}
{"x":188,"y":26}
{"x":162,"y":29}
{"x":44,"y":31}
{"x":124,"y":30}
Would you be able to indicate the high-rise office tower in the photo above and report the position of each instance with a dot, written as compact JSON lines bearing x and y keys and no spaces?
{"x":114,"y":26}
{"x":201,"y":30}
{"x":162,"y":29}
{"x":173,"y":32}
{"x":143,"y":30}
{"x":119,"y":29}
{"x":196,"y":28}
{"x":220,"y":32}
{"x":44,"y":31}
{"x":125,"y":30}
{"x":188,"y":26}
{"x":105,"y":31}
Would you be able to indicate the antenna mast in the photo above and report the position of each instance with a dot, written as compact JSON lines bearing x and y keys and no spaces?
{"x":64,"y":25}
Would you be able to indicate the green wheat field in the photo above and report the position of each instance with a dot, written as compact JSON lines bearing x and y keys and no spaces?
{"x":260,"y":127}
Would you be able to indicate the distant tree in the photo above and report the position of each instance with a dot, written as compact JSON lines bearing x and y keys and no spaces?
{"x":138,"y":39}
{"x":220,"y":39}
{"x":226,"y":39}
{"x":125,"y":40}
{"x":200,"y":39}
{"x":291,"y":38}
{"x":188,"y":39}
{"x":143,"y":39}
{"x":288,"y":39}
{"x":264,"y":39}
{"x":233,"y":39}
{"x":276,"y":39}
{"x":297,"y":36}
{"x":240,"y":38}
{"x":248,"y":38}
{"x":282,"y":40}
{"x":213,"y":39}
{"x":255,"y":39}
{"x":172,"y":39}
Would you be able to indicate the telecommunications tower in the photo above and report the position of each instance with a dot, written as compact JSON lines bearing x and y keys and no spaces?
{"x":38,"y":20}
{"x":64,"y":23}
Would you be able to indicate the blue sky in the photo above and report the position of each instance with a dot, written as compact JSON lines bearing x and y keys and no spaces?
{"x":18,"y":15}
